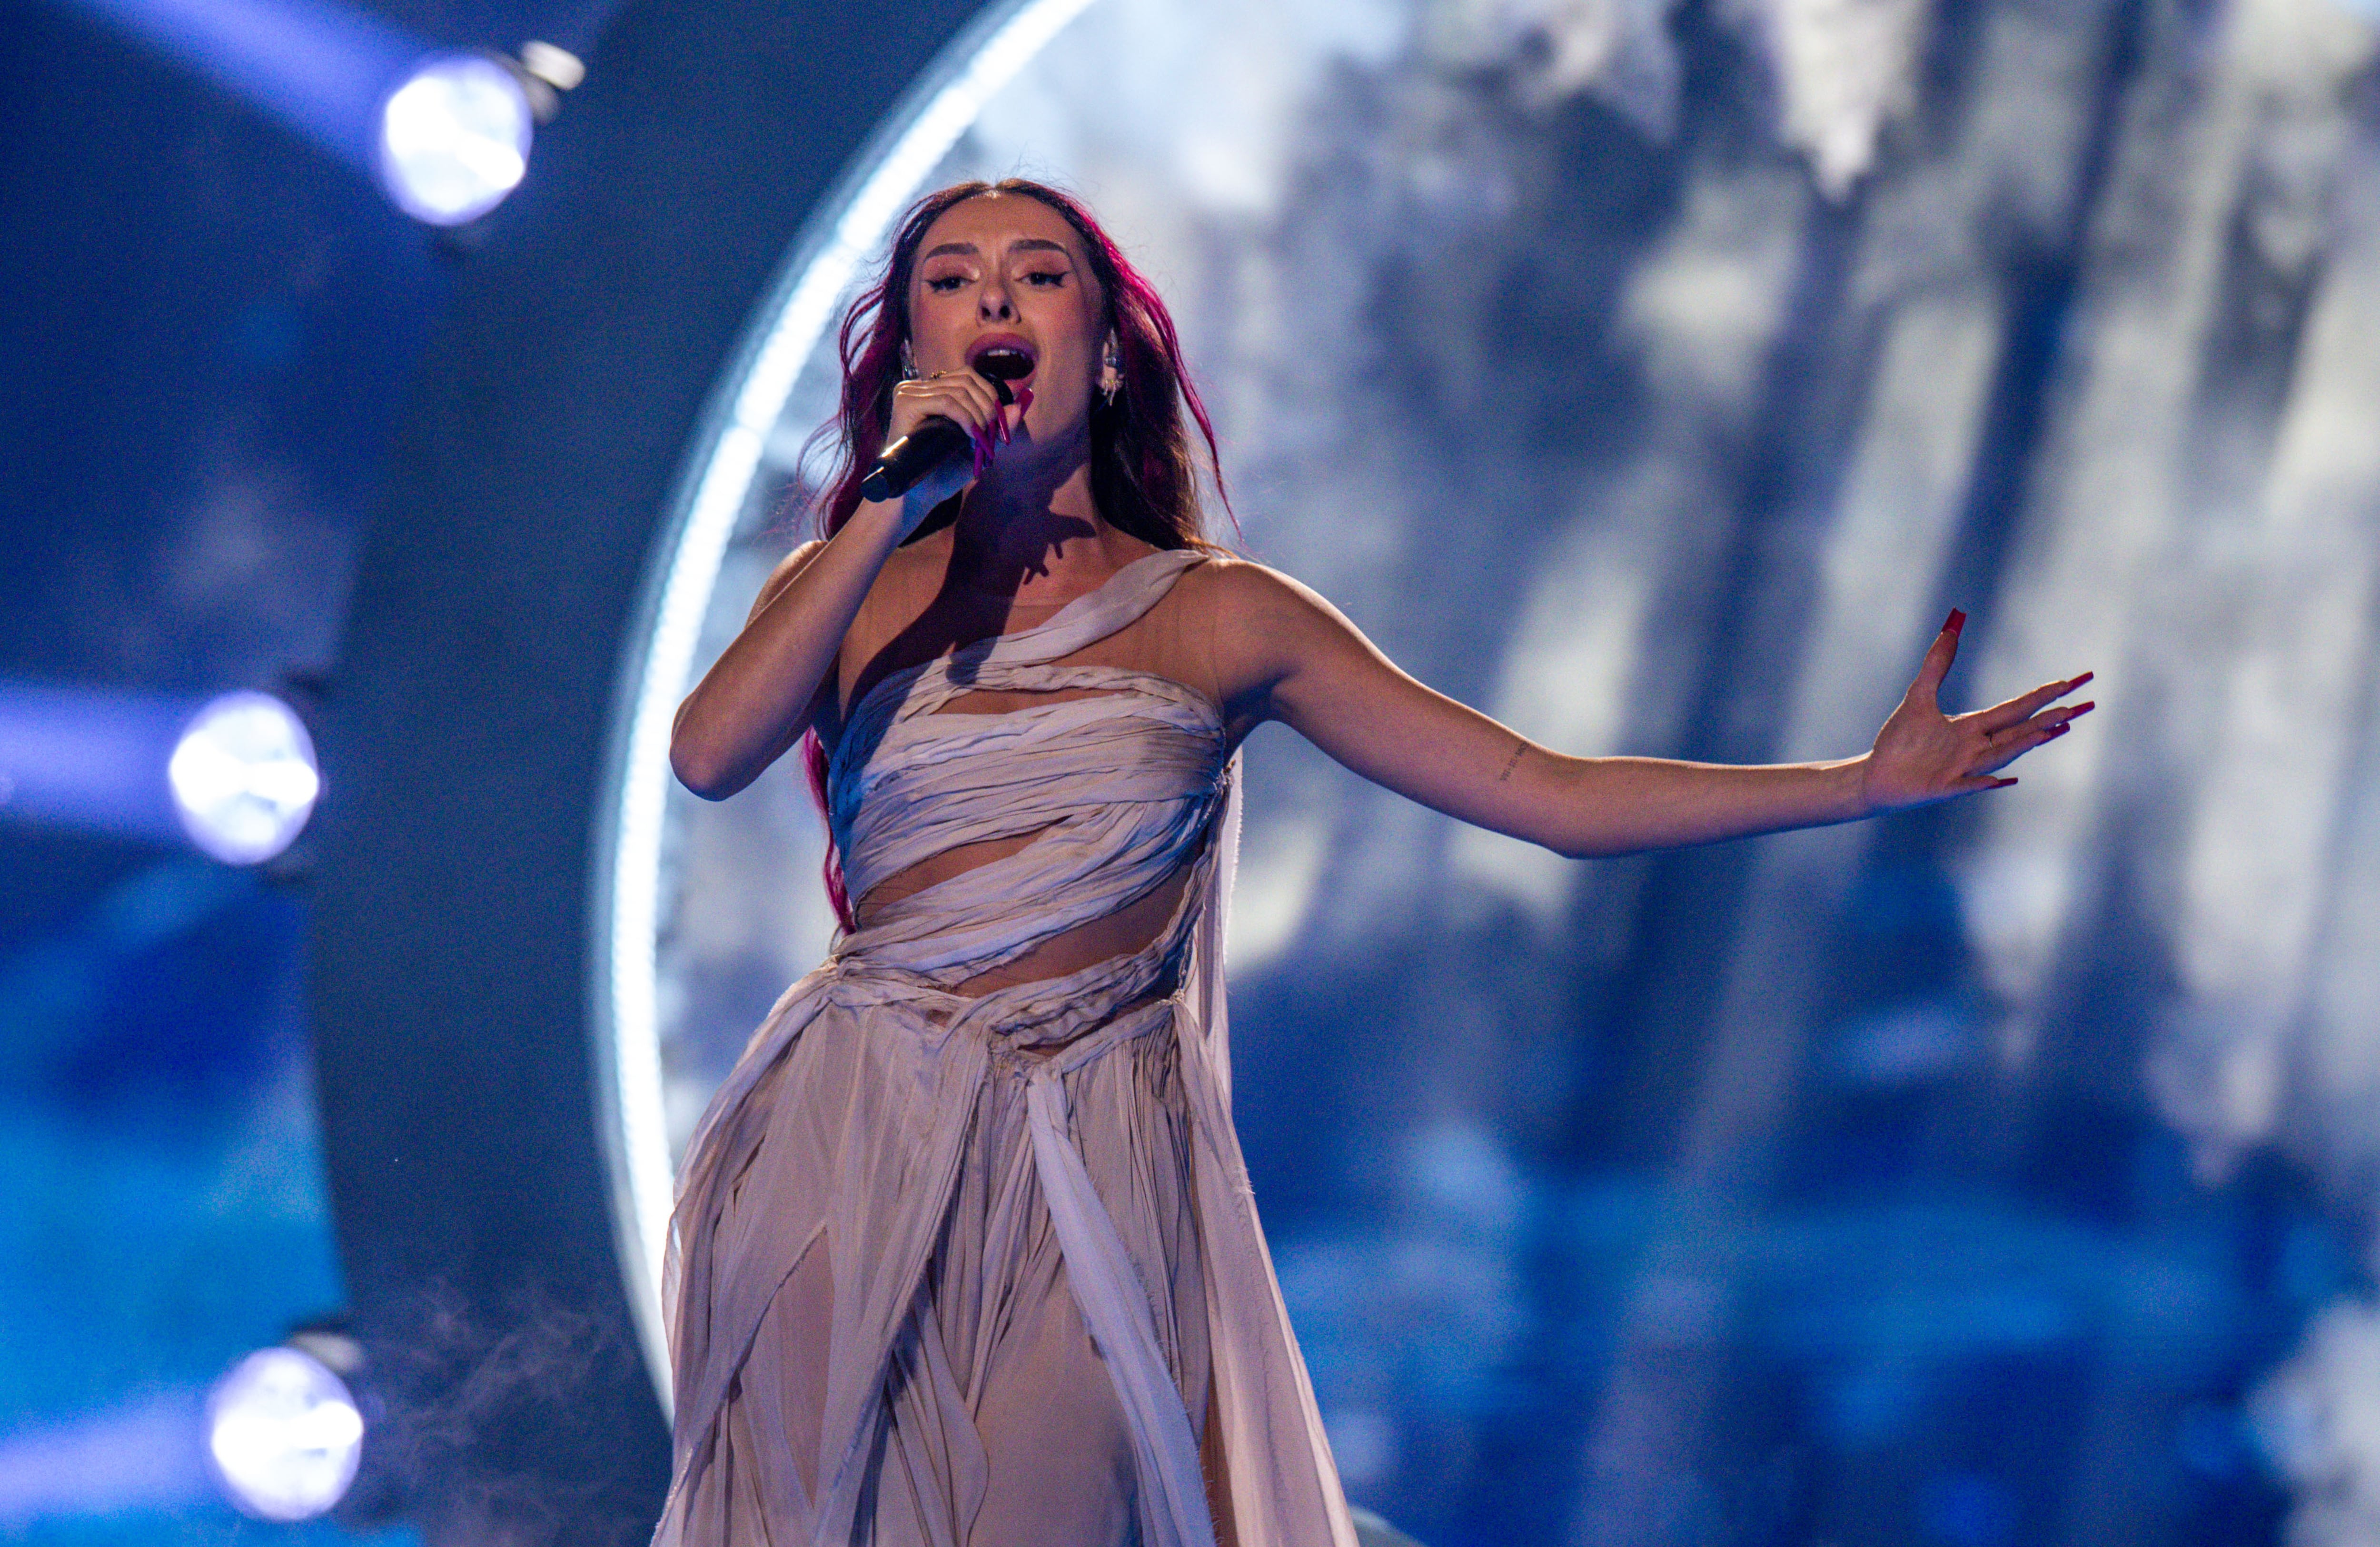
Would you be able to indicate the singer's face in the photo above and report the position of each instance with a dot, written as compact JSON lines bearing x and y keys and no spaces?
{"x":1005,"y":272}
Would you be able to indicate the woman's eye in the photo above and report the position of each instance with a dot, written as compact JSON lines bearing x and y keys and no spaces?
{"x":1046,"y":278}
{"x":944,"y":283}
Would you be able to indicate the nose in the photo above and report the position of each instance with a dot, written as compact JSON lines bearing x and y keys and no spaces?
{"x":991,"y":302}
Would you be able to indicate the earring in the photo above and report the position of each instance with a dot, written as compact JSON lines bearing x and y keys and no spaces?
{"x":1113,"y":370}
{"x":908,"y":365}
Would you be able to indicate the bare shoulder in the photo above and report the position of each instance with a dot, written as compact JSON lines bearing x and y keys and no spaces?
{"x":1242,"y":595}
{"x":1265,"y":625}
{"x":1260,"y":603}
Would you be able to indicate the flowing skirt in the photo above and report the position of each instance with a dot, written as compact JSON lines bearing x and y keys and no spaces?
{"x":998,"y":1422}
{"x":953,"y":1271}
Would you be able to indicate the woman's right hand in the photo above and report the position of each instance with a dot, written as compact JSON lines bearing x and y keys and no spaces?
{"x":960,"y":397}
{"x":965,"y":399}
{"x":974,"y":406}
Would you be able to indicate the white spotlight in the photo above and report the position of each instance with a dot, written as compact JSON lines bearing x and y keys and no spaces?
{"x":284,"y":1435}
{"x":243,"y":777}
{"x":455,"y":138}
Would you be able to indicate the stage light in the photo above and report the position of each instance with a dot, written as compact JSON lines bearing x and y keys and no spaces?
{"x":243,"y":777}
{"x":455,"y":138}
{"x":558,"y":68}
{"x":284,"y":1435}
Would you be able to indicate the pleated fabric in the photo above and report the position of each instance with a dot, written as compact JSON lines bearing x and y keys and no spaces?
{"x":972,"y":1272}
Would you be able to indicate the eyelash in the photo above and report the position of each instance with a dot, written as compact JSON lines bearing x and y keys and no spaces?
{"x":942,"y":285}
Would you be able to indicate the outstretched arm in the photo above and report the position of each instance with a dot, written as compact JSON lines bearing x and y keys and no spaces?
{"x":1291,"y":656}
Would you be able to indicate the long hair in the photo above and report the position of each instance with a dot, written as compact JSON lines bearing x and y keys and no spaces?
{"x":1144,"y":469}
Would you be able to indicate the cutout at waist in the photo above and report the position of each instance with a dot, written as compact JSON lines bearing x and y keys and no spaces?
{"x":1128,"y":930}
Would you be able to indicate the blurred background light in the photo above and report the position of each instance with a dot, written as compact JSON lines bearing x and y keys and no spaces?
{"x":243,"y":777}
{"x":455,"y":138}
{"x":284,"y":1435}
{"x":88,"y":760}
{"x":142,"y":1454}
{"x":320,"y":68}
{"x":446,"y":134}
{"x":553,"y":64}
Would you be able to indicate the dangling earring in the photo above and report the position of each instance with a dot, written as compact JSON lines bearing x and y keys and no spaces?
{"x":1112,"y":370}
{"x":908,"y":366}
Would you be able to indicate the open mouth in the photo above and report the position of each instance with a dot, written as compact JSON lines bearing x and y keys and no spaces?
{"x":1003,"y":359}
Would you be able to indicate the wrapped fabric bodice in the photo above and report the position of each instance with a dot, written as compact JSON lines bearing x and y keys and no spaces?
{"x":1120,"y":787}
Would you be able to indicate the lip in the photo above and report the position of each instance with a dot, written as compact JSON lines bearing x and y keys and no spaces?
{"x":1009,"y":341}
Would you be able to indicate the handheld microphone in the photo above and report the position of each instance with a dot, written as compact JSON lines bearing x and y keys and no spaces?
{"x":936,"y":440}
{"x":932,"y":443}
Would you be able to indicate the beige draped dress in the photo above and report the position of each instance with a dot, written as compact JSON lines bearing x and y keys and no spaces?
{"x":986,"y":1272}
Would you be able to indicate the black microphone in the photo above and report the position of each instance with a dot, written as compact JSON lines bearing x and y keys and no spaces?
{"x":932,"y":443}
{"x":936,"y":440}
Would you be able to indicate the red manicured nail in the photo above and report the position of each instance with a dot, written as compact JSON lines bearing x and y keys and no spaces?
{"x":2058,"y":730}
{"x":1957,"y":621}
{"x":2080,"y":680}
{"x":1024,"y":400}
{"x":2086,"y":706}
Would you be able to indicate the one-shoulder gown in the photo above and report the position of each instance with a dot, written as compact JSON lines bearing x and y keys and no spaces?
{"x":952,"y":1271}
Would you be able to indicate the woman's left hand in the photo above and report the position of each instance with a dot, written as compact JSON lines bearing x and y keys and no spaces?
{"x":1923,"y":755}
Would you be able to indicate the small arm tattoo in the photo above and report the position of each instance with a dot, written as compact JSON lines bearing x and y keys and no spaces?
{"x":1513,"y":763}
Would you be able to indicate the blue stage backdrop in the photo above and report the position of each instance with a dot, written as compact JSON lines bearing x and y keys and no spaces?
{"x":1653,"y":374}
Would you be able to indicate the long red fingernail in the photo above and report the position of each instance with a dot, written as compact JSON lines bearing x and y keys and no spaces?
{"x":1957,"y":621}
{"x":2080,"y":680}
{"x":2086,"y":706}
{"x":1024,"y":400}
{"x":2058,"y":729}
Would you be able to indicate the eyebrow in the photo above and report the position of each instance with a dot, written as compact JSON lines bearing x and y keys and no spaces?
{"x":1023,"y":244}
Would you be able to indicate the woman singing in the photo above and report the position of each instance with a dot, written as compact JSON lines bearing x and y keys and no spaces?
{"x":965,"y":1252}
